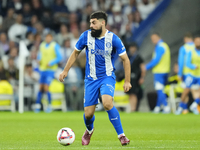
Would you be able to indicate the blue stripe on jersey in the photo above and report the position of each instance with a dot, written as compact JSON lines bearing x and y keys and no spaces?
{"x":100,"y":53}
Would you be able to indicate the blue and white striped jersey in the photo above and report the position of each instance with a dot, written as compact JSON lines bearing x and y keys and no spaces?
{"x":100,"y":53}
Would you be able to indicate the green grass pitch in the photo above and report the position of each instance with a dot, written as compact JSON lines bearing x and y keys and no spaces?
{"x":32,"y":131}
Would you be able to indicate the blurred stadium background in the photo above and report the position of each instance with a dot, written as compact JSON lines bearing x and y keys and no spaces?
{"x":132,"y":20}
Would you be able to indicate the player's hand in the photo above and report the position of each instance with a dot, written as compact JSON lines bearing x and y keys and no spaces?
{"x":141,"y":80}
{"x":197,"y":67}
{"x":180,"y":78}
{"x":62,"y":76}
{"x":127,"y":86}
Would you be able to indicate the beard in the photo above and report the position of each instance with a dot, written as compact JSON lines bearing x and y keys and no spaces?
{"x":96,"y":32}
{"x":198,"y":47}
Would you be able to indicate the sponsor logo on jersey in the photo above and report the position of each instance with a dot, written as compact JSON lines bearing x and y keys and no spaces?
{"x":103,"y":53}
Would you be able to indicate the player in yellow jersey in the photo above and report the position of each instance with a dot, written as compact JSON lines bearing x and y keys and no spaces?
{"x":184,"y":71}
{"x":49,"y":56}
{"x":193,"y":79}
{"x":161,"y":67}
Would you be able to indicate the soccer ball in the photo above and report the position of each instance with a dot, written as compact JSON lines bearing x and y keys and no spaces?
{"x":65,"y":136}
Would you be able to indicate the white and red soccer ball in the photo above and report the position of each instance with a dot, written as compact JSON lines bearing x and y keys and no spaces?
{"x":65,"y":136}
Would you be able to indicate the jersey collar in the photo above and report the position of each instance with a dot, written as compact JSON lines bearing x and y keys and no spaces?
{"x":190,"y":43}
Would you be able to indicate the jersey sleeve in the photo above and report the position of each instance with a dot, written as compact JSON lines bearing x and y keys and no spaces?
{"x":189,"y":60}
{"x":58,"y":55}
{"x":118,"y":45}
{"x":158,"y":55}
{"x":181,"y":61}
{"x":82,"y":42}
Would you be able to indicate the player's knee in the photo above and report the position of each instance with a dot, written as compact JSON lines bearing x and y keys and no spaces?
{"x":108,"y":106}
{"x":88,"y":115}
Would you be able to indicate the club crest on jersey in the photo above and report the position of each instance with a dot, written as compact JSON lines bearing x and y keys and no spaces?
{"x":103,"y":53}
{"x":108,"y":44}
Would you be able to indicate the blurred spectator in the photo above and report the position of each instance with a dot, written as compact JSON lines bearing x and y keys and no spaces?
{"x":117,"y":19}
{"x":131,"y":7}
{"x":27,"y":14}
{"x":4,"y":45}
{"x":145,"y":8}
{"x":73,"y":21}
{"x":9,"y":20}
{"x":73,"y":5}
{"x":17,"y":5}
{"x":17,"y":31}
{"x":137,"y":19}
{"x":66,"y":51}
{"x":12,"y":71}
{"x":34,"y":20}
{"x":47,"y":3}
{"x":60,"y":12}
{"x":75,"y":38}
{"x":33,"y":60}
{"x":13,"y":54}
{"x":37,"y":41}
{"x":30,"y":76}
{"x":46,"y":19}
{"x":29,"y":40}
{"x":63,"y":34}
{"x":137,"y":77}
{"x":174,"y":80}
{"x":42,"y":30}
{"x":74,"y":87}
{"x":116,"y":31}
{"x":13,"y":76}
{"x":12,"y":44}
{"x":101,"y":5}
{"x":127,"y":36}
{"x":2,"y":71}
{"x":37,"y":7}
{"x":87,"y":12}
{"x":83,"y":26}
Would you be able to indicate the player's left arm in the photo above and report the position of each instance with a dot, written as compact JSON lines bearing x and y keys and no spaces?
{"x":121,"y":50}
{"x":58,"y":56}
{"x":127,"y":70}
{"x":189,"y":61}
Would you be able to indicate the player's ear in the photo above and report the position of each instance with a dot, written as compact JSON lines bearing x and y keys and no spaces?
{"x":103,"y":22}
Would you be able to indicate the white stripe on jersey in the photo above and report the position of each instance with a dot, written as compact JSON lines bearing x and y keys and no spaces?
{"x":91,"y":46}
{"x":108,"y":48}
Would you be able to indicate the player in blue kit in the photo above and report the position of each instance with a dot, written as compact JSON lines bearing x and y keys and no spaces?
{"x":184,"y":71}
{"x":49,"y":57}
{"x":161,"y":67}
{"x":193,"y":79}
{"x":101,"y":48}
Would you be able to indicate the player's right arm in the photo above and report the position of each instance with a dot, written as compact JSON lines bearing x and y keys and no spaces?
{"x":70,"y":62}
{"x":80,"y":45}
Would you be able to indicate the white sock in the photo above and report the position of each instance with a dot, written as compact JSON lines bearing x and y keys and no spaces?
{"x":37,"y":106}
{"x":90,"y":131}
{"x":121,"y":135}
{"x":194,"y":104}
{"x":180,"y":109}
